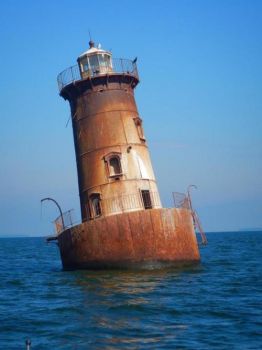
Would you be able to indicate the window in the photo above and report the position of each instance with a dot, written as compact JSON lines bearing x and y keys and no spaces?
{"x":146,"y":199}
{"x":105,"y":63}
{"x":88,"y":211}
{"x":104,"y":60}
{"x":94,"y":64}
{"x":113,"y":164}
{"x":95,"y":205}
{"x":138,"y":123}
{"x":84,"y":64}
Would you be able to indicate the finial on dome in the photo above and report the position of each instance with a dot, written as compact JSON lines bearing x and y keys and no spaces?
{"x":91,"y":43}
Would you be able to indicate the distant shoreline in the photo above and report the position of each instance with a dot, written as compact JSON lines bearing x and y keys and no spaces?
{"x":207,"y":232}
{"x":254,"y":229}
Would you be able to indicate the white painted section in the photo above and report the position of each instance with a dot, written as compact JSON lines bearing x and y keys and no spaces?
{"x":94,"y":50}
{"x":141,"y":166}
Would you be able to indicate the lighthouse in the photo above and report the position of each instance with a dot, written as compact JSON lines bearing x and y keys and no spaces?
{"x":123,"y":221}
{"x":115,"y":173}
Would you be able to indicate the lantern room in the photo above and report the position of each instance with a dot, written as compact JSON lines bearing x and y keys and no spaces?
{"x":94,"y":61}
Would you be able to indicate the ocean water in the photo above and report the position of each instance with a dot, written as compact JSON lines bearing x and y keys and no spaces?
{"x":215,"y":305}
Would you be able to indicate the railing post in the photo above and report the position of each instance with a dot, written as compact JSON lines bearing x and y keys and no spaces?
{"x":70,"y":217}
{"x":71,"y":68}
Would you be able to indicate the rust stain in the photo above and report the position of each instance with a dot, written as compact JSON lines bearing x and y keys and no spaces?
{"x":107,"y":241}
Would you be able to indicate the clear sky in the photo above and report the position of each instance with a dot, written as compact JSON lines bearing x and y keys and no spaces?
{"x":200,"y":64}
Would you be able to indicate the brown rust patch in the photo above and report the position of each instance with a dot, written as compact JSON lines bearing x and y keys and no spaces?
{"x":152,"y":236}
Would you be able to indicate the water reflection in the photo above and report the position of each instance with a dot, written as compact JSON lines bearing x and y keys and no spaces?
{"x":128,"y":308}
{"x":210,"y":306}
{"x":128,"y":282}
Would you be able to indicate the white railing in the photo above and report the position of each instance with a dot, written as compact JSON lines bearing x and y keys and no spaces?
{"x":119,"y":66}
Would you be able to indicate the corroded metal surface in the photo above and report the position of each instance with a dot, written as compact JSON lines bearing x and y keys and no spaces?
{"x":141,"y":238}
{"x":105,"y":120}
{"x":123,"y":222}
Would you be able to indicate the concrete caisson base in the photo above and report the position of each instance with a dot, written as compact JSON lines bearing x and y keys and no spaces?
{"x":141,"y":239}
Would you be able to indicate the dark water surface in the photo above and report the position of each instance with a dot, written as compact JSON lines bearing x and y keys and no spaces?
{"x":216,"y":305}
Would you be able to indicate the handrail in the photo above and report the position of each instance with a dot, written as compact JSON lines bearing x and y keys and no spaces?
{"x":119,"y":66}
{"x":112,"y":205}
{"x":182,"y":200}
{"x":132,"y":201}
{"x":59,"y":208}
{"x":64,"y":221}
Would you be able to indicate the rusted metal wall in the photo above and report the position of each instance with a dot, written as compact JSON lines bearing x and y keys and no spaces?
{"x":141,"y":238}
{"x":105,"y":120}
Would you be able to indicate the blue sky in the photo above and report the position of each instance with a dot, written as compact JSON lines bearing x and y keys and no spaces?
{"x":200,"y":98}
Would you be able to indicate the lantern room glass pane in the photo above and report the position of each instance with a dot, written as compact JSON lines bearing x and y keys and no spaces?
{"x":84,"y":64}
{"x":94,"y":64}
{"x":104,"y":60}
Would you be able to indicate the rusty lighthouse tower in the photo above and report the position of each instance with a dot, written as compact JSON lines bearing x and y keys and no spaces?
{"x":115,"y":174}
{"x":123,"y":222}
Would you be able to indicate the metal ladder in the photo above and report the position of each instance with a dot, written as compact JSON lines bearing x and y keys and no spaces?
{"x":196,"y":221}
